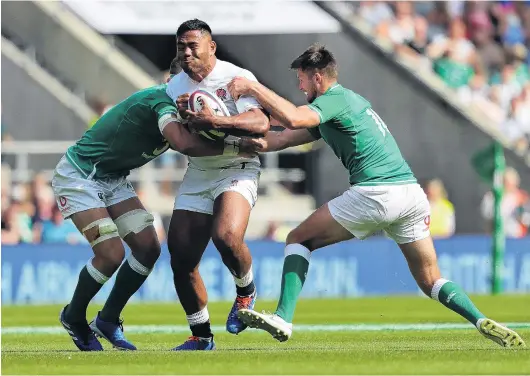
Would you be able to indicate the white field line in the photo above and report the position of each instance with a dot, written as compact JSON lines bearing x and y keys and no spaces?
{"x":169,"y":329}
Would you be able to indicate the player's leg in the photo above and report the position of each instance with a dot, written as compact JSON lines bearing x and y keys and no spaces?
{"x":135,"y":227}
{"x":231,"y":215}
{"x":411,"y":232}
{"x":421,"y":258}
{"x":87,"y":211}
{"x":188,"y":235}
{"x":102,"y":234}
{"x":318,"y":230}
{"x":235,"y":197}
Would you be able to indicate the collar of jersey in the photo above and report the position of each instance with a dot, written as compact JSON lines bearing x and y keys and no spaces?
{"x":332,"y":88}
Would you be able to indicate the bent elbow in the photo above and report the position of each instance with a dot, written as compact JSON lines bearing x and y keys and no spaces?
{"x":294,"y":124}
{"x":182,"y":148}
{"x":186,"y":150}
{"x":263,"y":128}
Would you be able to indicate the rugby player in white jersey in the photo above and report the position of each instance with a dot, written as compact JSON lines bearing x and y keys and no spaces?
{"x":217,"y":194}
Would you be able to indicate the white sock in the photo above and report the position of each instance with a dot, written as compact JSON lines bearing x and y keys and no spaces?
{"x":198,"y":317}
{"x":437,"y":287}
{"x":479,"y":321}
{"x":297,"y":249}
{"x":245,"y":280}
{"x":96,"y":274}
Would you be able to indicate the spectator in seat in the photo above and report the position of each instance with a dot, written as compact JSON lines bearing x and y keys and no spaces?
{"x":23,"y":210}
{"x":56,"y":230}
{"x":438,"y":19}
{"x":10,"y":227}
{"x":513,"y":201}
{"x":507,"y":85}
{"x":442,"y":210}
{"x":375,"y":12}
{"x":416,"y":48}
{"x":491,"y":55}
{"x":41,"y":196}
{"x":399,"y":30}
{"x":455,"y":58}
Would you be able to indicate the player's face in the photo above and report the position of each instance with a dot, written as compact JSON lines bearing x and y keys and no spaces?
{"x":194,"y":50}
{"x":306,"y":83}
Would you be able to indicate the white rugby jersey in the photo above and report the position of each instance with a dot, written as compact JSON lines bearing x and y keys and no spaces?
{"x":216,"y":83}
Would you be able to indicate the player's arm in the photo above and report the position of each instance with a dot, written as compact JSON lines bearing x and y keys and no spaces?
{"x":285,"y":112}
{"x":187,"y":143}
{"x":252,"y":121}
{"x":275,"y":141}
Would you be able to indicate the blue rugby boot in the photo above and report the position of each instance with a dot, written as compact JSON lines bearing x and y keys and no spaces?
{"x":81,"y":334}
{"x":196,"y":344}
{"x":233,"y":324}
{"x":112,"y":332}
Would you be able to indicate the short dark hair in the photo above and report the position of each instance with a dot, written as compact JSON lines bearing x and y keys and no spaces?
{"x":316,"y":59}
{"x":192,"y":25}
{"x":174,"y":67}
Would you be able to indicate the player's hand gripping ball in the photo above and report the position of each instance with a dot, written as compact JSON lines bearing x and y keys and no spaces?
{"x":202,"y":104}
{"x":182,"y":105}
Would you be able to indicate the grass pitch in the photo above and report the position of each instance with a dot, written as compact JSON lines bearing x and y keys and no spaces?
{"x":330,"y":340}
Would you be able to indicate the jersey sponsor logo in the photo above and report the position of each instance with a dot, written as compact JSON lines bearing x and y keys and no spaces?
{"x":221,"y":93}
{"x":233,"y":183}
{"x":156,"y":152}
{"x":427,"y":221}
{"x":62,"y":201}
{"x":100,"y":195}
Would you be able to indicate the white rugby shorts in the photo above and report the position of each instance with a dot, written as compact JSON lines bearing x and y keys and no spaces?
{"x":200,"y":188}
{"x":402,"y":211}
{"x":75,"y":193}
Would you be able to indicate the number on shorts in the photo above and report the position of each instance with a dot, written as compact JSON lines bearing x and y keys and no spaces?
{"x":380,"y":123}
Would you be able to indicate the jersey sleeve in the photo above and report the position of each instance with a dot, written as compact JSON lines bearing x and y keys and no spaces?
{"x":315,"y":132}
{"x":246,"y":102}
{"x":326,"y":107}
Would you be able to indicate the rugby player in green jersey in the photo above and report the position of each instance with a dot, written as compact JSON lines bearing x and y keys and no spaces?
{"x":91,"y":188}
{"x":384,"y":194}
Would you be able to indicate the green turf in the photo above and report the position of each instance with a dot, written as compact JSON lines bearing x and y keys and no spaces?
{"x":388,"y":352}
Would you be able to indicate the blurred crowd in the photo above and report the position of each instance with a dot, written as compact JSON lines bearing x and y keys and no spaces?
{"x":30,"y":214}
{"x":480,"y":49}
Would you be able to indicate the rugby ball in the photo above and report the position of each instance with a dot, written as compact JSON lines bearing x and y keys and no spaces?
{"x":196,"y":102}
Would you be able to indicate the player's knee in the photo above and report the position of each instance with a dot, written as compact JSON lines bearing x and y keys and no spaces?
{"x":148,"y":253}
{"x":227,"y":240}
{"x":100,"y":231}
{"x":297,"y":237}
{"x":182,"y":261}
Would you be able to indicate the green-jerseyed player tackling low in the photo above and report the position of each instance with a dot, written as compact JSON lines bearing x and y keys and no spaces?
{"x":91,"y":188}
{"x":384,"y":194}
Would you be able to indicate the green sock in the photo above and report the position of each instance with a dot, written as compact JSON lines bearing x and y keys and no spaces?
{"x":90,"y":282}
{"x":294,"y":273}
{"x":130,"y":277}
{"x":453,"y":297}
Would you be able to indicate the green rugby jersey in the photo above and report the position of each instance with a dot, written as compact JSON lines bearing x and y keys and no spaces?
{"x":125,"y":137}
{"x":359,"y":138}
